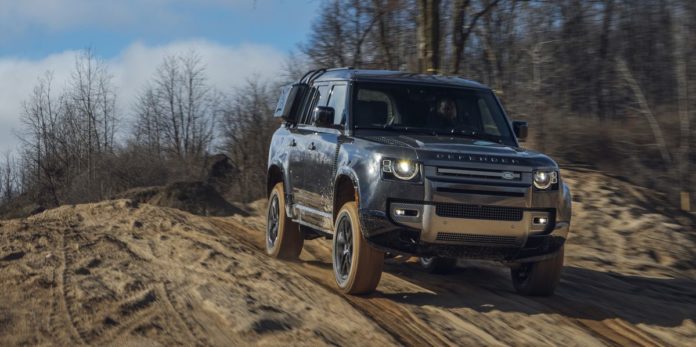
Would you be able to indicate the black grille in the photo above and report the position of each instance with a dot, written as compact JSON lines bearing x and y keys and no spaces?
{"x":479,"y":212}
{"x":481,"y":239}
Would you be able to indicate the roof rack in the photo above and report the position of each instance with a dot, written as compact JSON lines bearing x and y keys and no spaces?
{"x":341,"y":68}
{"x":311,"y":75}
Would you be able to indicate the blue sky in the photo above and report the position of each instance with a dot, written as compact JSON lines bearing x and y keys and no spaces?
{"x":235,"y":38}
{"x":36,"y":28}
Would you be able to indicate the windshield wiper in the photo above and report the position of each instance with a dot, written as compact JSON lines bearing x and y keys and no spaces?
{"x":475,"y":135}
{"x":403,"y":128}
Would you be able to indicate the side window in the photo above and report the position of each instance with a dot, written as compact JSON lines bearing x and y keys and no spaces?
{"x":317,"y":97}
{"x":338,"y":102}
{"x":489,"y":125}
{"x":323,"y":95}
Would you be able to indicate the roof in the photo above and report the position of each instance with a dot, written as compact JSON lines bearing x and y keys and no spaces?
{"x":396,"y":77}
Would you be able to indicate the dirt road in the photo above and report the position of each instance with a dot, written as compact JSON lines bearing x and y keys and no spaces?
{"x":116,"y":272}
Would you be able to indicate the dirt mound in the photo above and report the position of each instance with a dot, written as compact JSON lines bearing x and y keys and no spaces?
{"x":618,"y":226}
{"x":198,"y":198}
{"x":195,"y":197}
{"x":140,"y":195}
{"x":119,"y":273}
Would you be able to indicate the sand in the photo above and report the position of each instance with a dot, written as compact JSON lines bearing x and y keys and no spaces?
{"x":122,"y":273}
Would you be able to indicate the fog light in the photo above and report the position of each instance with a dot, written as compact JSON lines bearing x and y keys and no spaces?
{"x":401,"y":212}
{"x":541,"y":220}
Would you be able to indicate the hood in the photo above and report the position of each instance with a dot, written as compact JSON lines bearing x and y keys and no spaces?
{"x":462,"y":149}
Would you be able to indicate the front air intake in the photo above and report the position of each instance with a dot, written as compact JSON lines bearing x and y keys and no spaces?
{"x":514,"y":214}
{"x":477,"y":239}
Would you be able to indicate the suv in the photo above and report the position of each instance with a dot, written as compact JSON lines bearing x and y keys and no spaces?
{"x":394,"y":163}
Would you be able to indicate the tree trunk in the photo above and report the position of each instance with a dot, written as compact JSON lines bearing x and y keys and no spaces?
{"x":429,"y":36}
{"x":601,"y":81}
{"x":645,"y":110}
{"x":459,"y":9}
{"x":681,"y":71}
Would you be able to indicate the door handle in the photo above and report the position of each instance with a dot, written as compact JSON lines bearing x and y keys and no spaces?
{"x":292,"y":143}
{"x":311,"y":146}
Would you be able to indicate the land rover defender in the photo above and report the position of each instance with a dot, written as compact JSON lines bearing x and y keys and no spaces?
{"x":387,"y":162}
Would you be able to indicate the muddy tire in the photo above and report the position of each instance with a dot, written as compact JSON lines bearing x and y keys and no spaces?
{"x":539,"y":278}
{"x":357,"y":266}
{"x":283,"y":237}
{"x":438,"y":265}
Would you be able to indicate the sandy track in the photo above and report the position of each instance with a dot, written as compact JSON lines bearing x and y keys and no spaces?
{"x":115,"y":273}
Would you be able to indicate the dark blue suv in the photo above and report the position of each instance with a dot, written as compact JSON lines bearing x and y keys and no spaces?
{"x":387,"y":162}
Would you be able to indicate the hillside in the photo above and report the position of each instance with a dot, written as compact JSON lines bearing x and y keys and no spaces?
{"x":119,"y":272}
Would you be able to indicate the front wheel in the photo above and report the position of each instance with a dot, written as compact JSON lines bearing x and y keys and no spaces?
{"x":538,"y":278}
{"x":357,"y":266}
{"x":283,"y":237}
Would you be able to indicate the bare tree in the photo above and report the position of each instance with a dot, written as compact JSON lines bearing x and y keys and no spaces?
{"x":175,"y":116}
{"x":91,"y":112}
{"x":8,"y":178}
{"x":43,"y":145}
{"x":463,"y":27}
{"x":247,"y":127}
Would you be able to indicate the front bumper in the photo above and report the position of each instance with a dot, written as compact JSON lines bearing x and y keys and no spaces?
{"x":493,"y":240}
{"x":446,"y":223}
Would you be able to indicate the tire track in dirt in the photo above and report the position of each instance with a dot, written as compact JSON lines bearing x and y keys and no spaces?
{"x":612,"y":331}
{"x":63,"y":308}
{"x":166,"y":300}
{"x":108,"y":315}
{"x":401,"y":324}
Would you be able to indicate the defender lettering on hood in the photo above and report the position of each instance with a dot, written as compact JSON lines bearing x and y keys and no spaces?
{"x":477,"y":158}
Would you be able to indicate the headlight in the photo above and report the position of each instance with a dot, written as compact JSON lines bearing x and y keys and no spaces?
{"x":545,"y":179}
{"x":402,"y":169}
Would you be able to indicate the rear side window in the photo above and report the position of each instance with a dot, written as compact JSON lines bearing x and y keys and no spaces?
{"x":338,"y":102}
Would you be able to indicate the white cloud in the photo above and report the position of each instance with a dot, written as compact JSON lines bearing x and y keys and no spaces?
{"x":227,"y":67}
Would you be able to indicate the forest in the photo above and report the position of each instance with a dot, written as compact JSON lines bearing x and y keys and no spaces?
{"x":606,"y":85}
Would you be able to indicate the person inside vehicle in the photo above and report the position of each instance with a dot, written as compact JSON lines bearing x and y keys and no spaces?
{"x":445,"y":113}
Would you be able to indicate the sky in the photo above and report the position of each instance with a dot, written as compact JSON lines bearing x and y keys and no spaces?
{"x":234,"y":38}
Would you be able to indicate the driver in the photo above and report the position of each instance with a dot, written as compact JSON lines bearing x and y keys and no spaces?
{"x":446,"y":112}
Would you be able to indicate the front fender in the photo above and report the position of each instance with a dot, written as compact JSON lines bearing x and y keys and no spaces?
{"x":564,"y":212}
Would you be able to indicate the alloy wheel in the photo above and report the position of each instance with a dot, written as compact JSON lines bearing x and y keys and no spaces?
{"x":273,"y":223}
{"x":343,"y":252}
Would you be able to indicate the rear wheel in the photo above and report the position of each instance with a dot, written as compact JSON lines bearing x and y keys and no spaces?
{"x":438,"y":265}
{"x":538,"y":278}
{"x":283,"y":237}
{"x":357,"y":266}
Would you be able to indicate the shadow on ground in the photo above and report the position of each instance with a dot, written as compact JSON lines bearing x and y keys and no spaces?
{"x":582,"y":294}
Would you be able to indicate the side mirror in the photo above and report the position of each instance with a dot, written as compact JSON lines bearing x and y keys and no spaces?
{"x":290,"y":101}
{"x":520,"y":128}
{"x":323,"y":116}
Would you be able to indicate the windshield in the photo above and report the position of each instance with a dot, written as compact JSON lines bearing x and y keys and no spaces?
{"x":430,"y":110}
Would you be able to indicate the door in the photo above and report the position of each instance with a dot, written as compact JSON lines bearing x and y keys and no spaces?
{"x":323,"y":148}
{"x":299,"y":156}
